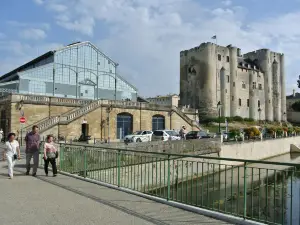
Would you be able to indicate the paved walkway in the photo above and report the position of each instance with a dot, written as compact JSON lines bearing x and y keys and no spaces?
{"x":27,"y":200}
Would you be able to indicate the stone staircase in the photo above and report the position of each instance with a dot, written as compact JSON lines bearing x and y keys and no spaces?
{"x":188,"y":120}
{"x":76,"y":113}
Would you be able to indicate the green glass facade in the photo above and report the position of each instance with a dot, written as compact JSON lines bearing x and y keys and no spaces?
{"x":79,"y":70}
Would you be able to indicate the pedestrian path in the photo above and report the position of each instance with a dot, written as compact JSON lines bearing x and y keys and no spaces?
{"x":64,"y":200}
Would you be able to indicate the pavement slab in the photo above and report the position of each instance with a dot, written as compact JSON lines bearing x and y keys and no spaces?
{"x":64,"y":200}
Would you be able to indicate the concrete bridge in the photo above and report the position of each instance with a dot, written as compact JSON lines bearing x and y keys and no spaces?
{"x":43,"y":200}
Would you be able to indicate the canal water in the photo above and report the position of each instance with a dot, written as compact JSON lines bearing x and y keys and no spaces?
{"x":272,"y":191}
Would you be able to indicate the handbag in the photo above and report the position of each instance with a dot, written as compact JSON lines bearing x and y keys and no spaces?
{"x":15,"y":156}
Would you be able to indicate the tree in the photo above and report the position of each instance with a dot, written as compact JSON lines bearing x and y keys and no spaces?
{"x":296,"y":106}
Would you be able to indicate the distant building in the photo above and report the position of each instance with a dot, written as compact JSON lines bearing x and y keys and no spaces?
{"x":79,"y":70}
{"x":290,"y":99}
{"x":250,"y":85}
{"x":167,"y":100}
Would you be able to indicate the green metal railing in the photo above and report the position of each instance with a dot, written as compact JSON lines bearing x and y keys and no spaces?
{"x":257,"y":190}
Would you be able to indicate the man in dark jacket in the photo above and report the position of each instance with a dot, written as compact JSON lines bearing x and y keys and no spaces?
{"x":32,"y":140}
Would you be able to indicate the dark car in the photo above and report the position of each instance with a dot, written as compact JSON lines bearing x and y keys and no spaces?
{"x":197,"y":135}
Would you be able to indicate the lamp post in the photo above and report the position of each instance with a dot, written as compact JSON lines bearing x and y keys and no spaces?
{"x":219,"y":106}
{"x":259,"y":112}
{"x":284,"y":116}
{"x":108,"y":110}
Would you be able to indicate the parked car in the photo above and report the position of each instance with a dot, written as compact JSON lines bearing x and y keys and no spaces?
{"x":197,"y":135}
{"x":139,"y":136}
{"x":165,"y":135}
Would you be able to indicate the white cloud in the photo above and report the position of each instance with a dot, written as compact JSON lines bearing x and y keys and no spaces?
{"x":39,"y":2}
{"x":17,"y":53}
{"x":227,"y":2}
{"x":146,"y":36}
{"x":18,"y":24}
{"x":33,"y":34}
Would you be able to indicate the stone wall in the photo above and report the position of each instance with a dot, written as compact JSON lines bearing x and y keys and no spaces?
{"x":98,"y":127}
{"x":257,"y":150}
{"x":293,"y":117}
{"x":38,"y":109}
{"x":199,"y":147}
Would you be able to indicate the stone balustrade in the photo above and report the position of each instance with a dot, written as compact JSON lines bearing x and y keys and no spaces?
{"x":46,"y":124}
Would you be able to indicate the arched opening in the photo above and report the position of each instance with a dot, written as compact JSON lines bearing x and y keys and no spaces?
{"x":158,"y":122}
{"x":124,"y":125}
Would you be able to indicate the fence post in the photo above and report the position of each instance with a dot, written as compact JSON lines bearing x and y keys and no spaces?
{"x":85,"y":164}
{"x":169,"y":181}
{"x":60,"y":157}
{"x":245,"y":190}
{"x":119,"y":167}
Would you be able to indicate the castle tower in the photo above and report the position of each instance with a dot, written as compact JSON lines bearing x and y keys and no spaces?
{"x":233,"y":53}
{"x":266,"y":67}
{"x":276,"y":92}
{"x":253,"y":99}
{"x":198,"y":79}
{"x":283,"y":91}
{"x":223,"y":89}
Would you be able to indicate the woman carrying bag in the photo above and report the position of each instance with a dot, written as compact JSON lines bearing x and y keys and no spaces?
{"x":50,"y":155}
{"x":11,"y":153}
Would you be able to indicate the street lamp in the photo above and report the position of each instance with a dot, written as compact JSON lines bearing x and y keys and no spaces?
{"x":284,"y":116}
{"x":108,"y":110}
{"x":219,"y":106}
{"x":259,"y":111}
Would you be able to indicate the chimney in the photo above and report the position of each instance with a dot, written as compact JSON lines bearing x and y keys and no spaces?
{"x":294,"y":93}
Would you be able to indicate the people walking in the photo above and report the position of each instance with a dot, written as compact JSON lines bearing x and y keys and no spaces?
{"x":11,"y":153}
{"x":1,"y":135}
{"x":183,"y":132}
{"x":50,"y":155}
{"x":32,"y":140}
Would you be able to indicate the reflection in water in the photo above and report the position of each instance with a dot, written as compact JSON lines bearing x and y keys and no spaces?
{"x":272,"y":193}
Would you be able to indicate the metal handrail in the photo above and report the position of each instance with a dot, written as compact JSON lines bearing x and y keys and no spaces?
{"x":187,"y":155}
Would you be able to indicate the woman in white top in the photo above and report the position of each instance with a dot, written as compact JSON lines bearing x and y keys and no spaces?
{"x":11,"y":153}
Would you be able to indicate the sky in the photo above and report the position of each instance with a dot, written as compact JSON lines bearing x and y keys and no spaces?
{"x":146,"y":36}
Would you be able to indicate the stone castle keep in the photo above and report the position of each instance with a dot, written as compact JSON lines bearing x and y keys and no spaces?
{"x":250,"y":85}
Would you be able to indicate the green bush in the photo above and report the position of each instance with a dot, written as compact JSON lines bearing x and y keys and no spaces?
{"x":296,"y":106}
{"x":238,"y":119}
{"x":229,"y":119}
{"x":233,"y":133}
{"x":248,"y":120}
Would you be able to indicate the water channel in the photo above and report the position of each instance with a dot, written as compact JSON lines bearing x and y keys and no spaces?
{"x":272,"y":191}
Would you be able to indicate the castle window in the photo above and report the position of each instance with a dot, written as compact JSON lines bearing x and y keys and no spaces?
{"x":243,"y":85}
{"x":232,"y":98}
{"x":240,"y":102}
{"x":254,"y":85}
{"x":227,"y":79}
{"x":260,"y":86}
{"x":258,"y":104}
{"x":227,"y":58}
{"x":219,"y":57}
{"x":247,"y":102}
{"x":270,"y":101}
{"x":233,"y":84}
{"x":226,"y":91}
